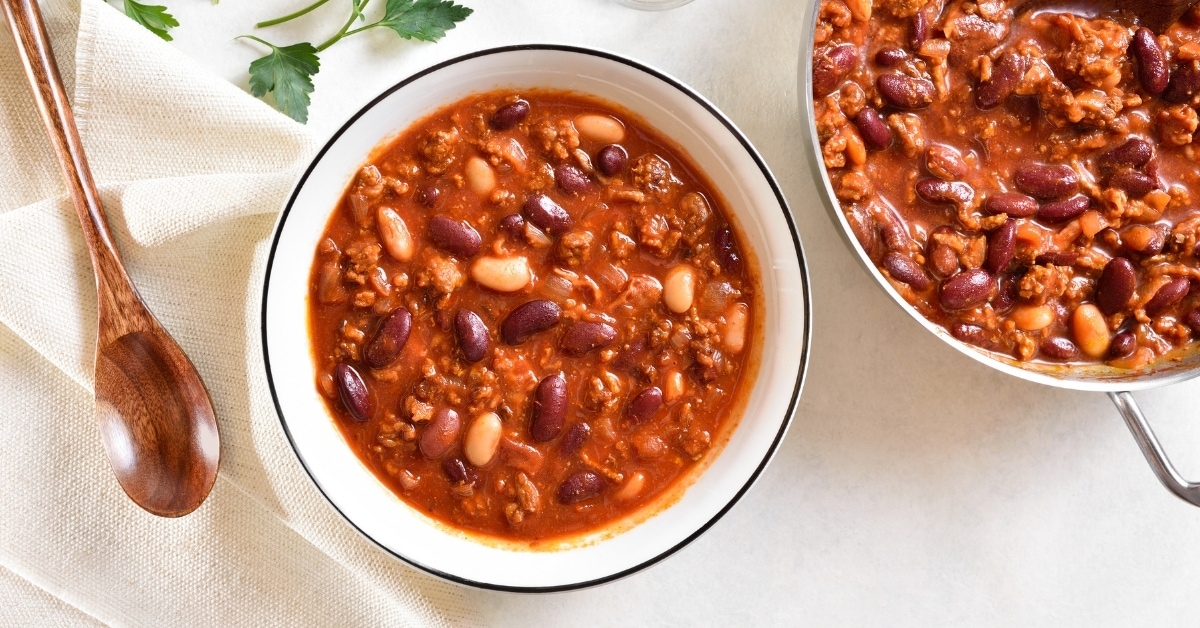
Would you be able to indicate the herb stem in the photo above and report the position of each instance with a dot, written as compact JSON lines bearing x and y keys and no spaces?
{"x":265,"y":43}
{"x":358,"y":9}
{"x":291,"y":16}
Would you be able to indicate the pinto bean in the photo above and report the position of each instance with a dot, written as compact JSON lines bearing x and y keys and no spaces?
{"x":1152,"y":63}
{"x":967,"y":289}
{"x":472,"y":334}
{"x":440,"y":434}
{"x":546,"y":215}
{"x":600,"y":128}
{"x":1046,"y":181}
{"x":645,"y":404}
{"x":585,"y":336}
{"x":389,"y":339}
{"x":1006,"y":75}
{"x":905,"y":92}
{"x":502,"y":274}
{"x":1090,"y":330}
{"x":1001,"y":245}
{"x":1064,"y":210}
{"x":904,"y":270}
{"x":549,"y":408}
{"x":1015,"y":204}
{"x":875,"y":132}
{"x":937,"y":191}
{"x":528,"y":319}
{"x":353,"y":392}
{"x":579,"y":486}
{"x":1167,"y":296}
{"x":611,"y":159}
{"x":830,"y":68}
{"x":454,"y":237}
{"x":1116,"y":285}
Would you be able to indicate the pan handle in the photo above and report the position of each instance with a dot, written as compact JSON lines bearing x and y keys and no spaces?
{"x":1166,"y":472}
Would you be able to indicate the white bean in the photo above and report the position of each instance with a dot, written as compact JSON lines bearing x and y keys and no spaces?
{"x":632,"y":487}
{"x":600,"y":128}
{"x":734,"y":338}
{"x":673,"y":386}
{"x":679,"y":288}
{"x":482,"y":439}
{"x":502,"y":274}
{"x":394,"y":234}
{"x":481,"y":179}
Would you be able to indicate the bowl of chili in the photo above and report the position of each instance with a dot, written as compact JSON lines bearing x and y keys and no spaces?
{"x":535,"y":318}
{"x":1018,"y":183}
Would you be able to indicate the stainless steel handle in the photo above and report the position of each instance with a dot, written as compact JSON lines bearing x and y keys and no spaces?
{"x":1166,"y":472}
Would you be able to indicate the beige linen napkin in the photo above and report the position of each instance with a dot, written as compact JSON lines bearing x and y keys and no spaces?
{"x":192,"y":171}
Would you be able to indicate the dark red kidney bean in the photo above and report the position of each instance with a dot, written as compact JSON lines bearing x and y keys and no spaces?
{"x":528,"y":319}
{"x":472,"y":334}
{"x":631,"y":355}
{"x":389,"y":339}
{"x":585,"y":336}
{"x":875,"y":132}
{"x":1184,"y":83}
{"x":1001,"y":245}
{"x":966,"y":289}
{"x":1116,"y":285}
{"x":1058,"y":258}
{"x":454,"y":237}
{"x":513,"y":225}
{"x":1059,"y":348}
{"x":905,"y":92}
{"x":546,"y":215}
{"x":644,"y":404}
{"x":1123,"y":345}
{"x":458,"y":471}
{"x":1167,"y":296}
{"x":905,"y":270}
{"x":549,"y":408}
{"x":1006,"y":74}
{"x":1135,"y":184}
{"x":579,"y":486}
{"x":893,"y":229}
{"x":571,"y":179}
{"x":1134,"y":153}
{"x":971,"y":334}
{"x":354,"y":393}
{"x":918,"y":29}
{"x":574,"y":438}
{"x":1046,"y":181}
{"x":933,"y":190}
{"x":1006,"y":295}
{"x":1192,"y":320}
{"x":830,"y":67}
{"x":1062,"y":211}
{"x":726,"y":250}
{"x":611,"y":159}
{"x":1015,"y":204}
{"x":440,"y":434}
{"x":510,"y":115}
{"x":1152,"y":63}
{"x":428,"y":196}
{"x":890,"y":56}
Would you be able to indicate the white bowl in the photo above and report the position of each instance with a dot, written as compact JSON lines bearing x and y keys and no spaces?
{"x":733,"y":166}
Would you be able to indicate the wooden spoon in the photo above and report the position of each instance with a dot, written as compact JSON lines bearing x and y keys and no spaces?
{"x":156,"y":419}
{"x":1155,"y":15}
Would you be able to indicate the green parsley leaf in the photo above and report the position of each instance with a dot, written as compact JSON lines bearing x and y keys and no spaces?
{"x":152,"y":17}
{"x":426,"y":20}
{"x":287,"y":72}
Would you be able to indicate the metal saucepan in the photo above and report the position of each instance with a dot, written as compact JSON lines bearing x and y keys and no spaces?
{"x":1118,"y":383}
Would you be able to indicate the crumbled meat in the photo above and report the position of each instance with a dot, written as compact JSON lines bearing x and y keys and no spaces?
{"x":418,"y":411}
{"x":903,"y":8}
{"x":652,"y":175}
{"x":1042,"y":283}
{"x":909,"y":133}
{"x":602,"y":392}
{"x":854,"y":186}
{"x":695,"y":442}
{"x":442,"y":274}
{"x":575,"y":247}
{"x":1176,"y":124}
{"x":557,"y":137}
{"x":370,"y":182}
{"x":655,"y":233}
{"x":621,"y":245}
{"x":692,"y":216}
{"x":437,"y":149}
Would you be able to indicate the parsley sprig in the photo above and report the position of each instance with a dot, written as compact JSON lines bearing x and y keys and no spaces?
{"x":287,"y":71}
{"x":153,"y":17}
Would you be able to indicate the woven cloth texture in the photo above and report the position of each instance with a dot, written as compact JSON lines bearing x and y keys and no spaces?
{"x":192,"y":172}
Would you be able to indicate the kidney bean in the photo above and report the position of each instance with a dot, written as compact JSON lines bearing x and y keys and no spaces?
{"x":905,"y":92}
{"x":1046,"y":181}
{"x":457,"y":471}
{"x":389,"y":339}
{"x":575,"y":438}
{"x":549,"y":408}
{"x":611,"y":159}
{"x":472,"y":334}
{"x":1059,"y":348}
{"x":893,"y":229}
{"x":528,"y":319}
{"x":513,"y":225}
{"x":1134,"y":153}
{"x":510,"y":115}
{"x":918,"y":29}
{"x":1116,"y":285}
{"x":875,"y":132}
{"x":1167,"y":296}
{"x":1135,"y":184}
{"x":726,"y":249}
{"x":1184,"y":83}
{"x":631,"y":354}
{"x":972,"y":334}
{"x":831,"y":66}
{"x":454,"y":237}
{"x":644,"y":404}
{"x":546,"y":215}
{"x":428,"y":196}
{"x":937,"y":191}
{"x":966,"y":289}
{"x":1006,"y":75}
{"x":1006,"y":295}
{"x":353,"y":392}
{"x":944,"y":162}
{"x":904,"y":270}
{"x":1123,"y":345}
{"x":1192,"y":320}
{"x":440,"y":434}
{"x":571,"y":179}
{"x":1058,"y":258}
{"x":1015,"y":204}
{"x":1152,"y":63}
{"x":579,"y":486}
{"x":890,"y":56}
{"x":585,"y":336}
{"x":1001,"y":245}
{"x":1062,"y":211}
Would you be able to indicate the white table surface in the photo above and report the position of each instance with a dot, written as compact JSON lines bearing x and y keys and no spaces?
{"x":916,"y":487}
